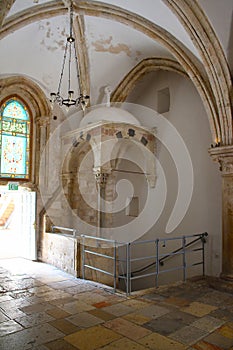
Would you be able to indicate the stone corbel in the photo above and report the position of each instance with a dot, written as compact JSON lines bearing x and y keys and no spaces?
{"x":224,"y":156}
{"x":101,"y":175}
{"x":43,"y":121}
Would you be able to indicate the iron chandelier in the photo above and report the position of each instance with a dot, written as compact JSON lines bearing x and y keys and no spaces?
{"x":70,"y":100}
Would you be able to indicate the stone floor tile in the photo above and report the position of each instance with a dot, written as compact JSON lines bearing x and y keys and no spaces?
{"x":124,"y":344}
{"x":215,"y":298}
{"x":227,"y":330}
{"x":14,"y":303}
{"x":40,"y":307}
{"x":20,"y":294}
{"x":156,"y":341}
{"x":127,"y":329}
{"x":40,"y":347}
{"x":136,"y":304}
{"x":113,"y":298}
{"x":34,"y":319}
{"x":199,"y":309}
{"x":208,"y":323}
{"x":219,"y":340}
{"x":177,"y":301}
{"x":56,"y":312}
{"x":57,"y":293}
{"x":63,"y":284}
{"x":40,"y":290}
{"x":153,"y":311}
{"x":187,"y":305}
{"x":181,"y":317}
{"x":65,"y":326}
{"x":59,"y":344}
{"x":79,"y":289}
{"x":5,"y":298}
{"x":164,"y":325}
{"x":29,"y":338}
{"x":76,"y":306}
{"x":105,"y":316}
{"x":101,"y":304}
{"x":202,"y":345}
{"x":118,"y":309}
{"x":136,"y":318}
{"x":46,"y":279}
{"x":188,"y":335}
{"x":3,"y":317}
{"x":19,"y":284}
{"x":13,"y":313}
{"x":62,"y":301}
{"x":53,"y":296}
{"x":34,"y":300}
{"x":192,"y":294}
{"x":223,"y":314}
{"x":92,"y":338}
{"x":91,"y":298}
{"x":153,"y":297}
{"x":85,"y":320}
{"x":9,"y":327}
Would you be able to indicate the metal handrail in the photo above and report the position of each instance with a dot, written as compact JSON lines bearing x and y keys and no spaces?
{"x":128,"y":277}
{"x":105,"y":256}
{"x":201,"y":236}
{"x":53,"y":227}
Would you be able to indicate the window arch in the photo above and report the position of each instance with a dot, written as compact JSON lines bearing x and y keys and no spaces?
{"x":15,"y":140}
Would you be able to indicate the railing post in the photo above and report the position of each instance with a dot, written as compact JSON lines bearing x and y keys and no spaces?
{"x":157,"y":264}
{"x":203,"y":255}
{"x":128,"y":283}
{"x":184,"y":258}
{"x":115,"y":266}
{"x":83,"y":255}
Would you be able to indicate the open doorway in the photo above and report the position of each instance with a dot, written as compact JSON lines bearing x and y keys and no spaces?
{"x":17,"y":223}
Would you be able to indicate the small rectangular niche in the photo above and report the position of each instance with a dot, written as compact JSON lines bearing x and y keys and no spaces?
{"x":132,"y":206}
{"x":163,"y":100}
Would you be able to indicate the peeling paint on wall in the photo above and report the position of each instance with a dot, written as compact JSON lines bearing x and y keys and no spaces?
{"x":48,"y":40}
{"x":106,"y":45}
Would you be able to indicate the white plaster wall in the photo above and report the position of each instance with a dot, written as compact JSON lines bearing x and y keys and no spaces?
{"x":188,"y":116}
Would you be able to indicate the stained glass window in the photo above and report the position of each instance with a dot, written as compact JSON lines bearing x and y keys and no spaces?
{"x":14,"y":140}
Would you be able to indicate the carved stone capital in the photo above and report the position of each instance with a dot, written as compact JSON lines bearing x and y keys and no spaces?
{"x":101,"y":176}
{"x":224,"y":156}
{"x":43,"y":121}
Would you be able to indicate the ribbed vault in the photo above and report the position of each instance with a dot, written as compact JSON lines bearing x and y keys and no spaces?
{"x":212,"y":79}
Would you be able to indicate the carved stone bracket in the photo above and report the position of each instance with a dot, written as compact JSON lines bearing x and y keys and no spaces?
{"x":224,"y":156}
{"x":101,"y":176}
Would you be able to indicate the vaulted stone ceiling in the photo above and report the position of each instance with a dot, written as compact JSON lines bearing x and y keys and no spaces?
{"x":115,"y":36}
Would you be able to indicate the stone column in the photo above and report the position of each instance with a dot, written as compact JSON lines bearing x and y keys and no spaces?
{"x":224,"y":155}
{"x":42,"y":128}
{"x":101,"y":179}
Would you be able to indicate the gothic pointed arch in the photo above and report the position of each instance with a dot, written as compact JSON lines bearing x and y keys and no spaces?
{"x":29,"y":95}
{"x":195,"y":22}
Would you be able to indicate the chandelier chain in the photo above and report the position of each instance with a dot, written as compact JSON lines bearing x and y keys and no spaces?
{"x":62,"y":70}
{"x":82,"y":99}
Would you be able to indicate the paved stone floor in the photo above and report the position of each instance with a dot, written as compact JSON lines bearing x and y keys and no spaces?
{"x":43,"y":308}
